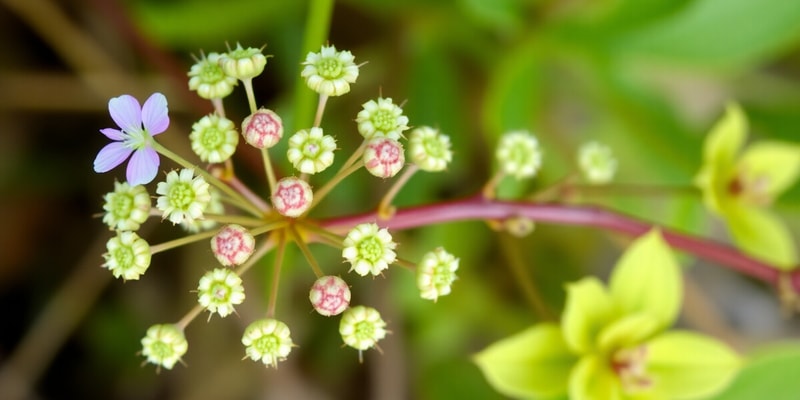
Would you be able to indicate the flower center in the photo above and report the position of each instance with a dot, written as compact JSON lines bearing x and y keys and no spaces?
{"x":267,"y":344}
{"x":221,"y":291}
{"x":138,"y":139}
{"x":330,"y":68}
{"x":212,"y":73}
{"x":364,"y":330}
{"x":751,"y":188}
{"x":311,"y":149}
{"x":630,"y":365}
{"x":442,"y":275}
{"x":212,"y":138}
{"x":124,"y":256}
{"x":371,"y":249}
{"x":121,"y":205}
{"x":181,"y":195}
{"x":434,"y":148}
{"x":161,"y":350}
{"x":384,"y":120}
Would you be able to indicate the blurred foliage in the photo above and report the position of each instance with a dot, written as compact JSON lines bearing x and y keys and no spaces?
{"x":647,"y":77}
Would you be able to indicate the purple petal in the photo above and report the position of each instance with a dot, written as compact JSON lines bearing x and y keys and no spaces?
{"x":110,"y":156}
{"x":143,"y":166}
{"x":154,"y":114}
{"x":125,"y":111}
{"x":113,"y":134}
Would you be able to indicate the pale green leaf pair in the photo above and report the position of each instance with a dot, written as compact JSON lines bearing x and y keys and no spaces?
{"x":738,"y":182}
{"x":611,"y":342}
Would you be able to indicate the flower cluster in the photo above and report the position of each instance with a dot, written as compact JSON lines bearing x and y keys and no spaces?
{"x":199,"y":198}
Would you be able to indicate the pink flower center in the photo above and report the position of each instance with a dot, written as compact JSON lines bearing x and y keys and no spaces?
{"x":292,"y":197}
{"x":330,"y":295}
{"x":384,"y":157}
{"x":263,"y":129}
{"x":232,"y":246}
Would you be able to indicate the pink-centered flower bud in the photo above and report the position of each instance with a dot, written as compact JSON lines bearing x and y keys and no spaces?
{"x":384,"y":157}
{"x":330,"y":295}
{"x":232,"y":245}
{"x":292,"y":197}
{"x":262,"y":129}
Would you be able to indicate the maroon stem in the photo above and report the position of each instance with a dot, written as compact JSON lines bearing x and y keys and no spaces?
{"x":479,"y":208}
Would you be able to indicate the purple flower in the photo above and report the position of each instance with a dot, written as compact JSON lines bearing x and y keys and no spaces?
{"x":137,"y":125}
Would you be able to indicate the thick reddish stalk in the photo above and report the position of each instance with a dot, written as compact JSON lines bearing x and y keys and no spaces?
{"x":479,"y":208}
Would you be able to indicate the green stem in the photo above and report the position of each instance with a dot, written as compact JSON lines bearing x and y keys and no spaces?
{"x":317,"y":25}
{"x":251,"y":97}
{"x":322,"y":192}
{"x":273,"y":296}
{"x":189,"y":317}
{"x":323,"y":98}
{"x":181,"y":241}
{"x":385,"y":209}
{"x":323,"y":235}
{"x":233,"y":219}
{"x":307,"y":253}
{"x":268,"y":170}
{"x":240,"y":200}
{"x":268,"y":227}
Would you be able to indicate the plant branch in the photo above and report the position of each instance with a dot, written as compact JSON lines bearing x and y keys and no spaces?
{"x":479,"y":208}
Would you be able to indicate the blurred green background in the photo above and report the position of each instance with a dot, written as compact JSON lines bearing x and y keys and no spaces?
{"x":646,"y":77}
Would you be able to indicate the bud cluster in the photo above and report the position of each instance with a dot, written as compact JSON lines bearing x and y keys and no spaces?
{"x":200,"y":200}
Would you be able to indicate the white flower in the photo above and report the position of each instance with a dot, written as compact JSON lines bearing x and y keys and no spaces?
{"x":429,"y":149}
{"x":435,"y":273}
{"x":127,"y":207}
{"x":242,"y":63}
{"x":597,"y":162}
{"x":183,"y":197}
{"x":164,"y":345}
{"x":207,"y":78}
{"x":369,"y":249}
{"x":127,"y":256}
{"x":381,"y":118}
{"x":268,"y":340}
{"x":330,"y":72}
{"x":310,"y":151}
{"x":519,"y":154}
{"x":362,"y":327}
{"x":214,"y":138}
{"x":219,"y":290}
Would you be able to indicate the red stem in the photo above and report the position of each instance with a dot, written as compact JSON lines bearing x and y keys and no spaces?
{"x":479,"y":208}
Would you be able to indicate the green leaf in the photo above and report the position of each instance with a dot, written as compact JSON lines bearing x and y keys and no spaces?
{"x":532,"y":363}
{"x":773,"y":164}
{"x":628,"y":331}
{"x":647,"y":280}
{"x":593,"y":379}
{"x":719,"y":156}
{"x":686,"y":365}
{"x":762,"y":235}
{"x":718,"y":33}
{"x":772,"y":371}
{"x":588,"y":310}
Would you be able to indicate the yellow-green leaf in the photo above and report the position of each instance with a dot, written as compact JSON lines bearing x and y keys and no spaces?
{"x":588,"y":310}
{"x":628,"y":331}
{"x":647,"y":280}
{"x":775,"y":166}
{"x":719,"y":158}
{"x":763,"y":236}
{"x":686,"y":365}
{"x":593,"y":379}
{"x":534,"y":363}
